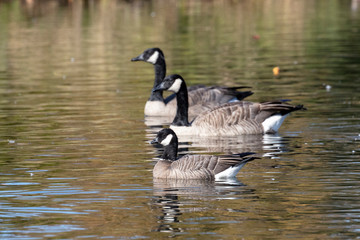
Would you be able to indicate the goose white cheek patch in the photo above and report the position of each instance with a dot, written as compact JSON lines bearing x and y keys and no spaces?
{"x":153,"y":57}
{"x":167,"y":140}
{"x":176,"y":86}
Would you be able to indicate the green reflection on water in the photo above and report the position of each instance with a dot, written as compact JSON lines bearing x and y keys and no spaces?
{"x":72,"y":135}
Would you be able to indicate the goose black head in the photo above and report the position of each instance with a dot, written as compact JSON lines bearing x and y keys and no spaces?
{"x":169,"y":140}
{"x":151,"y":55}
{"x":165,"y":137}
{"x":171,"y":83}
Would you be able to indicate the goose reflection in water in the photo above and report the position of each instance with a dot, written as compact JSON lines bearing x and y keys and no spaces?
{"x":174,"y":197}
{"x":157,"y":122}
{"x":269,"y":144}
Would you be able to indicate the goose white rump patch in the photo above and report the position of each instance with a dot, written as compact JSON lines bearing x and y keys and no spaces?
{"x":273,"y":123}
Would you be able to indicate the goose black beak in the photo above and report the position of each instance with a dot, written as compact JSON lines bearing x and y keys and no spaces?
{"x":154,"y":141}
{"x":159,"y":87}
{"x":138,"y":58}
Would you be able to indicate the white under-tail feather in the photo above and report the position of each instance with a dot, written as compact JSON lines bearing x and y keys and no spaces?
{"x":273,"y":123}
{"x":229,"y":172}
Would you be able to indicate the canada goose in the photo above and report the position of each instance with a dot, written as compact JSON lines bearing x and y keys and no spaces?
{"x":201,"y":98}
{"x":230,"y":119}
{"x":194,"y":166}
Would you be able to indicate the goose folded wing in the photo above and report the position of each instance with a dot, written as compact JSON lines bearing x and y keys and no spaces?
{"x":194,"y":167}
{"x":229,"y":114}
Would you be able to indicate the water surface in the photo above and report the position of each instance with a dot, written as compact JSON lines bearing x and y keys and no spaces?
{"x":75,"y":158}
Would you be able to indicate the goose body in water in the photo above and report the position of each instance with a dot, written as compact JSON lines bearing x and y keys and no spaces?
{"x":205,"y":167}
{"x":230,"y":119}
{"x":201,"y":98}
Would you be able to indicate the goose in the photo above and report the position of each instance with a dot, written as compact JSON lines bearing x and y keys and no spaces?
{"x":229,"y":119}
{"x":201,"y":98}
{"x":205,"y":167}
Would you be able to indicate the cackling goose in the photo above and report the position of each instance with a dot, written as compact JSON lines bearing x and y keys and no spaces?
{"x":201,"y":98}
{"x":206,"y":167}
{"x":229,"y":119}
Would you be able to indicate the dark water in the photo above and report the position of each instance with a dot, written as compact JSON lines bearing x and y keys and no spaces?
{"x":75,"y":162}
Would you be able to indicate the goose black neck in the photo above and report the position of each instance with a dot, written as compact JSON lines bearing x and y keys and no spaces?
{"x":181,"y":117}
{"x":160,"y":72}
{"x":170,"y":151}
